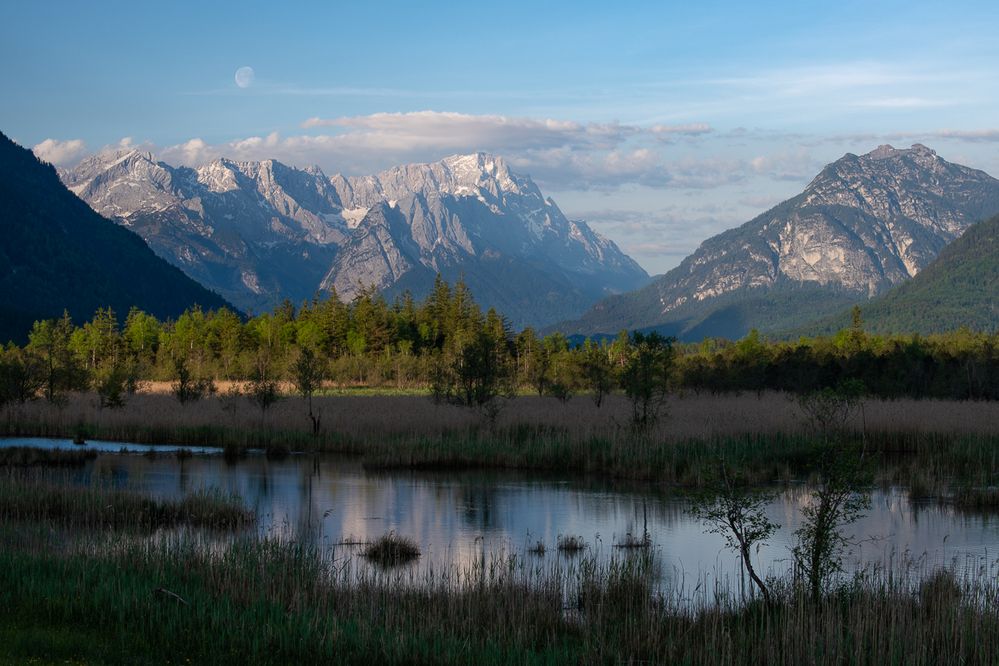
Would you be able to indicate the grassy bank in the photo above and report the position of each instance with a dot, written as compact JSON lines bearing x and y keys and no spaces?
{"x":271,"y":602}
{"x":926,"y":445}
{"x":44,"y":499}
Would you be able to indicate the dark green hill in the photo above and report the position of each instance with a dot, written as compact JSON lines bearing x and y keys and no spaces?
{"x":57,"y":254}
{"x":960,"y":288}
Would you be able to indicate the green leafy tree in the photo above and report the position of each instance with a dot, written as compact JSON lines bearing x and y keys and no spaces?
{"x":308,"y":374}
{"x":21,"y":375}
{"x":188,"y":388}
{"x":646,"y":376}
{"x":598,"y":372}
{"x":839,"y":498}
{"x":262,"y":389}
{"x":478,"y":374}
{"x":735,"y":510}
{"x":49,"y":341}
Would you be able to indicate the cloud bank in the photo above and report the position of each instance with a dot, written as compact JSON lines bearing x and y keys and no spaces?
{"x":60,"y":153}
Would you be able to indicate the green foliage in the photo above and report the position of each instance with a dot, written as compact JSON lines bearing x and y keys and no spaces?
{"x":21,"y":375}
{"x":308,"y":374}
{"x":597,"y":371}
{"x":370,"y":342}
{"x":111,"y":384}
{"x":646,"y":376}
{"x":188,"y":388}
{"x":477,"y":374}
{"x":737,"y":511}
{"x":839,"y":498}
{"x":828,"y":409}
{"x":49,"y":341}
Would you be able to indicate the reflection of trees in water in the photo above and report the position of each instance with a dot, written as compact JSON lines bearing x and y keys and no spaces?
{"x":478,"y":506}
{"x":183,"y":476}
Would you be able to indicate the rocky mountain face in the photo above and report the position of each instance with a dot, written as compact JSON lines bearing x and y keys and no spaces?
{"x":863,"y":225}
{"x":259,"y":232}
{"x":57,"y":254}
{"x":960,"y":288}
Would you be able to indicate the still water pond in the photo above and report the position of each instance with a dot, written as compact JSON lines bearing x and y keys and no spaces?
{"x":462,"y":518}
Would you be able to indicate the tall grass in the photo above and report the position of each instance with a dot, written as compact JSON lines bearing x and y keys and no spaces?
{"x":280,"y":602}
{"x":927,"y":443}
{"x":26,"y":456}
{"x":354,"y":421}
{"x":37,"y":498}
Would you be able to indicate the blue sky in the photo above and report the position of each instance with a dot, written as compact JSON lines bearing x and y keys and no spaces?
{"x":659,"y":123}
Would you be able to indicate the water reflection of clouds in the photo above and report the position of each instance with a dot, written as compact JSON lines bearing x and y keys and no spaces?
{"x":462,"y":520}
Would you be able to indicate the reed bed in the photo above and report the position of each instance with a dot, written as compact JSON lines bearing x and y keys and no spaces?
{"x":977,"y":499}
{"x":354,"y":420}
{"x":925,"y":442}
{"x":264,"y":601}
{"x":26,"y":456}
{"x":53,"y":501}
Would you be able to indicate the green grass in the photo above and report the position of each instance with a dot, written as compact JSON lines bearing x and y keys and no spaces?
{"x":26,"y":456}
{"x":273,"y":602}
{"x":45,"y":500}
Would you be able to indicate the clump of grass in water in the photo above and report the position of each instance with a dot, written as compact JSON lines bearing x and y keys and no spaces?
{"x":538,"y":549}
{"x":392,"y":550}
{"x":571,"y":544}
{"x":630,"y":541}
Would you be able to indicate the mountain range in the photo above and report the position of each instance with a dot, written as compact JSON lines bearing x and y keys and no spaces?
{"x":261,"y":232}
{"x":864,"y":225}
{"x":57,"y":254}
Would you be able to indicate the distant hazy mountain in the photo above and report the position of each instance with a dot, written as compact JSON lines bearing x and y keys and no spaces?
{"x":259,"y":232}
{"x":862,"y":226}
{"x":56,"y":253}
{"x":960,"y":288}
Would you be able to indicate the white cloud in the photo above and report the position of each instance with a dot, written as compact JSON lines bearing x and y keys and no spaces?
{"x":60,"y":152}
{"x":466,"y":132}
{"x":669,"y":131}
{"x":556,"y":152}
{"x":794,"y":165}
{"x":974,"y":135}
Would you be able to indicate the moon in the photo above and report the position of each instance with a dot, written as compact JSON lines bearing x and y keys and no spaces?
{"x":244,"y":77}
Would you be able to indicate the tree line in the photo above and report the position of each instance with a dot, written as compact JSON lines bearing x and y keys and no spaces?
{"x":447,"y":344}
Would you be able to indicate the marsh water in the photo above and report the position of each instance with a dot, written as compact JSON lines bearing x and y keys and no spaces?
{"x":460,"y":518}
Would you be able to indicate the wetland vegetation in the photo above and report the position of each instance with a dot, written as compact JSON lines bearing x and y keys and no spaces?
{"x":439,"y":385}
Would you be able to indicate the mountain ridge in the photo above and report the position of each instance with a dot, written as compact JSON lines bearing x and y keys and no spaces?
{"x":262,"y":231}
{"x":57,"y":254}
{"x":863,"y":225}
